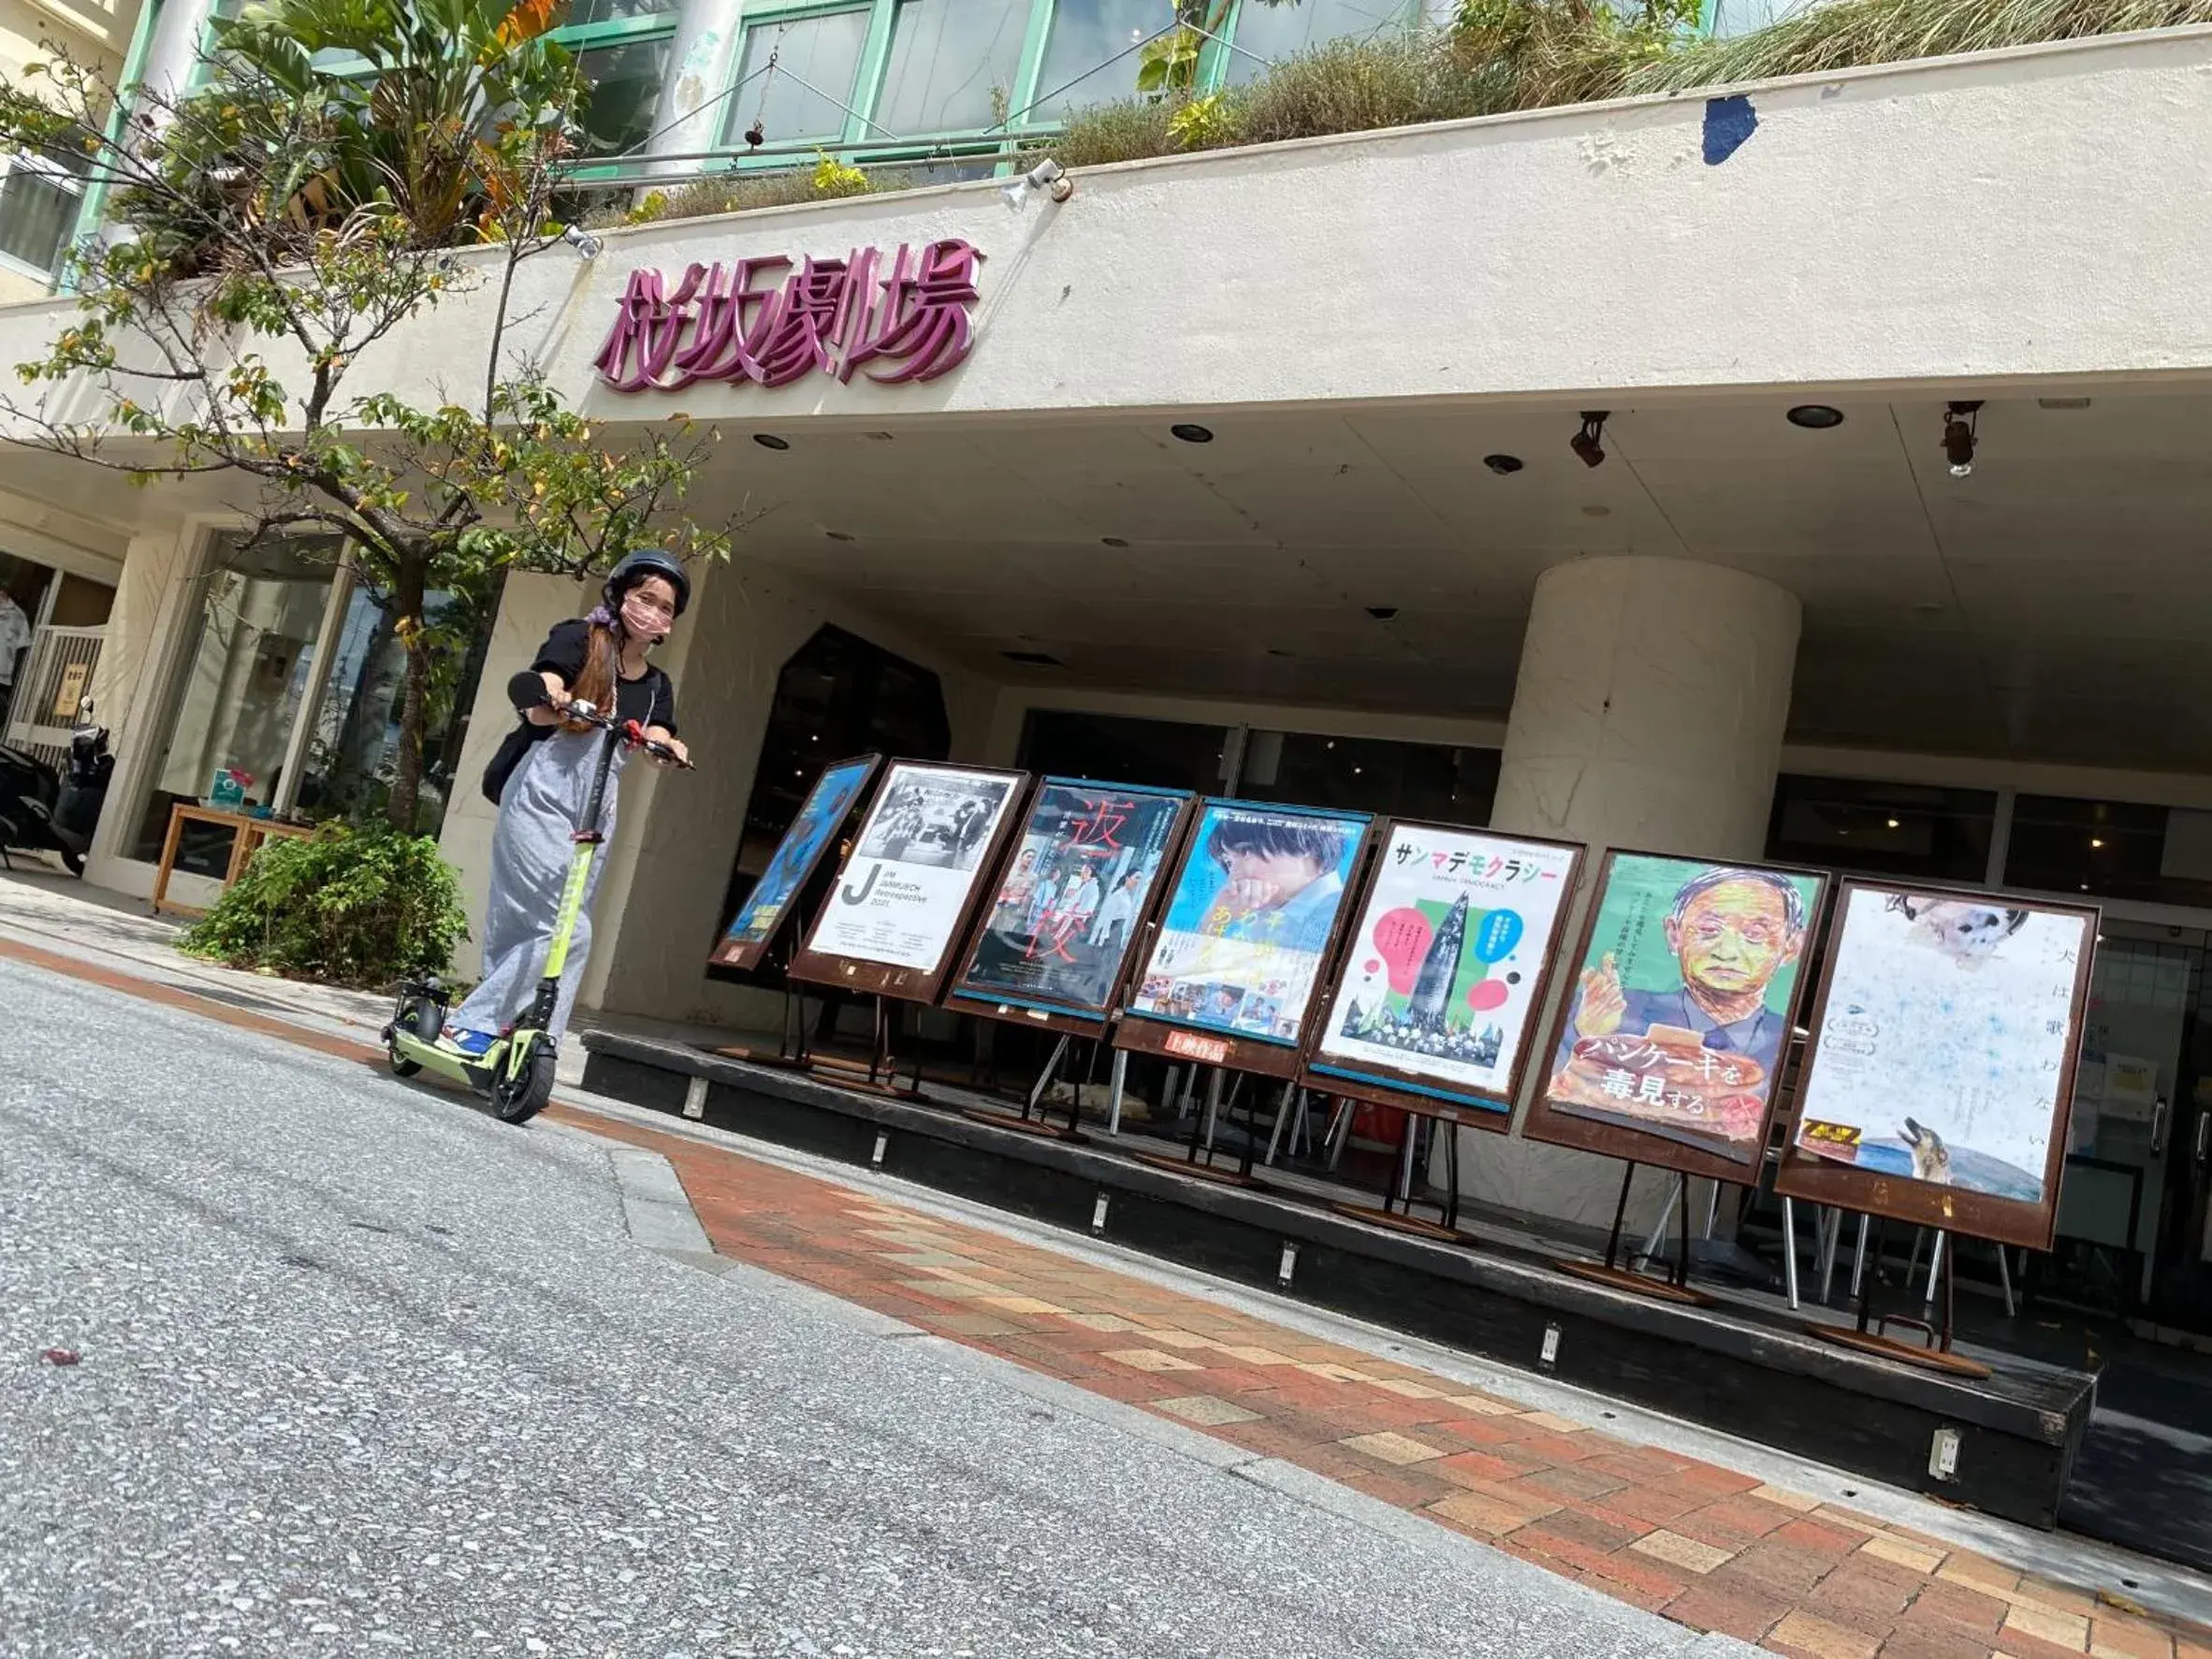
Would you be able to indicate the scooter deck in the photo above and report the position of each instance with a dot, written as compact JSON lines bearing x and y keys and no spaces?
{"x":431,"y":1056}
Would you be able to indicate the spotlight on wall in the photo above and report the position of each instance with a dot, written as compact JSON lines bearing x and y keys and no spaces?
{"x":1585,"y":442}
{"x":586,"y":244}
{"x":1960,"y":421}
{"x":1047,"y":175}
{"x":1503,"y":465}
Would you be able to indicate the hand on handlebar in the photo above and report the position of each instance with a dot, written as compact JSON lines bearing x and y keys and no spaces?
{"x":671,"y":753}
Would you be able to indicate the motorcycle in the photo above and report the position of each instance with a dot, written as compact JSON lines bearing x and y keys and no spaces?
{"x":45,"y":811}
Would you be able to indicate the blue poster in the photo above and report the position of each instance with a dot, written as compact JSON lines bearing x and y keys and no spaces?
{"x":1240,"y":948}
{"x":826,"y":807}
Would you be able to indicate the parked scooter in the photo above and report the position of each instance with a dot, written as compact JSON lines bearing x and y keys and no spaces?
{"x":45,"y":811}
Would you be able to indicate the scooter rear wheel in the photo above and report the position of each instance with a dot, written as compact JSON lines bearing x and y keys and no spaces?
{"x":519,"y":1100}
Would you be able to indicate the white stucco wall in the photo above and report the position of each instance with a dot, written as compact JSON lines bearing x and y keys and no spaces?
{"x":1962,"y":221}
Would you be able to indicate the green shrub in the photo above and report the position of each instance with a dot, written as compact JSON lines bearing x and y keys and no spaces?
{"x":366,"y":908}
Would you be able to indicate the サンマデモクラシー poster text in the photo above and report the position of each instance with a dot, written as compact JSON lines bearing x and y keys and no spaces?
{"x":1255,"y":907}
{"x":1447,"y":960}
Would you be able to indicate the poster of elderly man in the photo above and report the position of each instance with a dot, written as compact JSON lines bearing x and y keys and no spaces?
{"x":1679,"y":1019}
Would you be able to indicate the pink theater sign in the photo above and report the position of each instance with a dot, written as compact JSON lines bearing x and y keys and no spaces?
{"x":898,"y":317}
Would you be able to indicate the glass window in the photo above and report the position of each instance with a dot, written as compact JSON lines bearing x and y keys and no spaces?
{"x":39,"y":199}
{"x":245,"y":669}
{"x":1268,"y":31}
{"x":1884,"y":829}
{"x":1434,"y":781}
{"x":1114,"y":748}
{"x":796,"y":77}
{"x":613,"y":12}
{"x":355,"y":742}
{"x":953,"y":65}
{"x":1082,"y":57}
{"x":2108,"y":849}
{"x":625,"y":82}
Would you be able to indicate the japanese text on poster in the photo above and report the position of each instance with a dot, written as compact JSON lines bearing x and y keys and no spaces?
{"x":1448,"y":958}
{"x":1945,"y":1039}
{"x":1067,"y":914}
{"x":1679,"y":1018}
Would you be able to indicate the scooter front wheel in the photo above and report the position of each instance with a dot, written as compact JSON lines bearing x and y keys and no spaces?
{"x":401,"y":1065}
{"x":521,"y":1098}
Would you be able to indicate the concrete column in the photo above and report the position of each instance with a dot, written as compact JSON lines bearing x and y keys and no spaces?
{"x":693,"y":114}
{"x":172,"y":54}
{"x":1648,"y":714}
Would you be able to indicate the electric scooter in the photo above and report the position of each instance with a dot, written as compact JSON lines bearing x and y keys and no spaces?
{"x":516,"y":1072}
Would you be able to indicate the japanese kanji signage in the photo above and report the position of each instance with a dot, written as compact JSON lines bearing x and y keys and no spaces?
{"x":1444,"y":980}
{"x":1679,"y":1017}
{"x":1070,"y":906}
{"x":1942,"y":1059}
{"x":895,"y":318}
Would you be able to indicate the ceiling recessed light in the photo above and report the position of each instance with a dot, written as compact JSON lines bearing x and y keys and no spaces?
{"x":879,"y":437}
{"x":1503,"y":465}
{"x":1929,"y":607}
{"x":1115,"y":540}
{"x":1893,"y":823}
{"x":1277,"y":651}
{"x":1190,"y":433}
{"x":1816,"y":417}
{"x":2095,"y":842}
{"x":837,"y":535}
{"x":1034,"y":659}
{"x":1597,"y":512}
{"x":1382,"y":612}
{"x":2062,"y":402}
{"x":770,"y":441}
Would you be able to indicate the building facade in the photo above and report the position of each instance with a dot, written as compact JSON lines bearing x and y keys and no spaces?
{"x":1596,"y":472}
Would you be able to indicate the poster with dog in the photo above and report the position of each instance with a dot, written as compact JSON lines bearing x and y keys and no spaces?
{"x":1946,"y":1041}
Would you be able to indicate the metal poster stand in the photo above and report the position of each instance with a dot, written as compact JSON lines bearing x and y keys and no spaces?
{"x":1871,"y":1334}
{"x":790,"y":1053}
{"x":880,"y":1074}
{"x":1675,"y":1288}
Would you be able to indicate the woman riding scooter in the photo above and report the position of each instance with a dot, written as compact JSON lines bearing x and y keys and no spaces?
{"x":541,"y":777}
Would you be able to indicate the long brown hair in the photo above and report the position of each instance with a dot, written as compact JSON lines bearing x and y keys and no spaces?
{"x":595,"y":684}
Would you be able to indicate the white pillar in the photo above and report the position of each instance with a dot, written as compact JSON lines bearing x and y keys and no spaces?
{"x":1648,"y":714}
{"x":693,"y":114}
{"x":173,"y":55}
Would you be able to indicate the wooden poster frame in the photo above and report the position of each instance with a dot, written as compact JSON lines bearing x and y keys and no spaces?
{"x":1554,"y":1127}
{"x":1409,"y":1091}
{"x":742,"y":957}
{"x":1902,"y":1197}
{"x":913,"y":984}
{"x":1149,"y":1034}
{"x":1060,"y":1018}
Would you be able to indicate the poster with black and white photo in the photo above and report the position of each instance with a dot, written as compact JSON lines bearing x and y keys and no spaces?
{"x":902,"y":895}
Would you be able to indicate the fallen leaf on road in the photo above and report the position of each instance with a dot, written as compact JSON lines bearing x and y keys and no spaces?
{"x":61,"y":1355}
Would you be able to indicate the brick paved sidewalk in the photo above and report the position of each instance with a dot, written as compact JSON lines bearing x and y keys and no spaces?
{"x":1706,"y":1547}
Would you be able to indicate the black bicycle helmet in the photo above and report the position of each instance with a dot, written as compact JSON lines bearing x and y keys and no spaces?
{"x":642,"y":566}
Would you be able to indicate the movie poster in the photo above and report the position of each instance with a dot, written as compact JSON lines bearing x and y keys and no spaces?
{"x":1069,"y":906}
{"x":1446,"y":963}
{"x":901,"y":895}
{"x":1679,"y":1019}
{"x":1947,"y":1034}
{"x":825,"y":807}
{"x":1240,"y":948}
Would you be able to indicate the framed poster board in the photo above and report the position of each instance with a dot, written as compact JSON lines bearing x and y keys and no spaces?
{"x":1443,"y":980}
{"x":1070,"y":905}
{"x":908,"y":893}
{"x":1940,"y":1070}
{"x":1253,"y":913}
{"x":1668,"y":1047}
{"x":768,"y":906}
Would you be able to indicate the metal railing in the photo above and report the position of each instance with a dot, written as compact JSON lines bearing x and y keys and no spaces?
{"x":57,"y":677}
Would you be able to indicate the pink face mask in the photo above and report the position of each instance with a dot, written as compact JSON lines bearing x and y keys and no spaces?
{"x":646,"y":617}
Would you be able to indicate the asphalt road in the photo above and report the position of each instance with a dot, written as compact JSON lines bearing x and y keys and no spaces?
{"x":366,"y":1372}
